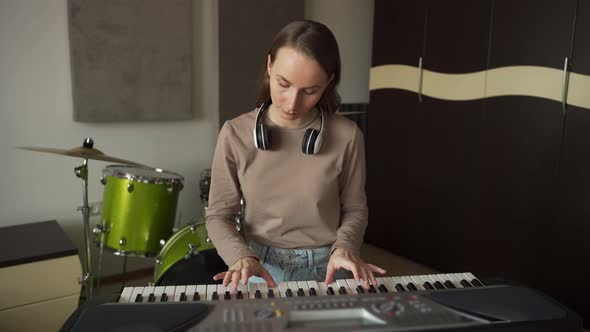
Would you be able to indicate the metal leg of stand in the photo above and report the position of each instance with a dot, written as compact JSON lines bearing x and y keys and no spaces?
{"x":124,"y":271}
{"x":99,"y":272}
{"x":87,"y":279}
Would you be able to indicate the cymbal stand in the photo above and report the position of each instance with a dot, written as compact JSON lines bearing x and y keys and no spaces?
{"x":87,"y":279}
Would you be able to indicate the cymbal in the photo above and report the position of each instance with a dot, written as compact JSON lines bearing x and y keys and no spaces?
{"x":86,"y":151}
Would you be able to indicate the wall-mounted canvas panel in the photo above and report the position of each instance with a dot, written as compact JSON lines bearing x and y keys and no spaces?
{"x":131,"y":60}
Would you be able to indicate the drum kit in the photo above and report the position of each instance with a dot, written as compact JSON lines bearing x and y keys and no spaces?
{"x":137,"y":219}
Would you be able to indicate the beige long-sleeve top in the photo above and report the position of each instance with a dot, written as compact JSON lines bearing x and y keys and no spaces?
{"x":292,"y":200}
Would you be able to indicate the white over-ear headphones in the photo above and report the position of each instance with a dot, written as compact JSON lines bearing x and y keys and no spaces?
{"x":312,"y":140}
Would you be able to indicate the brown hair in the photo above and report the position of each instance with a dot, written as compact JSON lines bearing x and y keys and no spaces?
{"x":316,"y":41}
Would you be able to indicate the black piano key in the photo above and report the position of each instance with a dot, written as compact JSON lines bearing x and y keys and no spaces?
{"x":476,"y":283}
{"x":300,"y":292}
{"x":330,"y":291}
{"x":359,"y":289}
{"x":465,"y":283}
{"x":411,"y":286}
{"x":227,"y":295}
{"x":215,"y":296}
{"x":342,"y":290}
{"x":271,"y":294}
{"x":312,"y":292}
{"x":196,"y":296}
{"x":182,"y":297}
{"x":164,"y":297}
{"x":239,"y":295}
{"x":428,"y":285}
{"x":152,"y":298}
{"x":438,"y":285}
{"x":289,"y":293}
{"x":449,"y":284}
{"x":257,"y":294}
{"x":138,"y":298}
{"x":383,"y":289}
{"x":400,"y":287}
{"x":372,"y":289}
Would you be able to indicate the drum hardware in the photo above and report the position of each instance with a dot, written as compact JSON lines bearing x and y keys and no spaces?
{"x":86,"y":152}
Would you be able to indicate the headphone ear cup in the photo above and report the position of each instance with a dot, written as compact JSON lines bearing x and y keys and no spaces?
{"x":309,"y":140}
{"x":263,"y":137}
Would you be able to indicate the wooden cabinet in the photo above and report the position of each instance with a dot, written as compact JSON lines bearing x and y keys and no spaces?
{"x":39,"y":273}
{"x":474,"y":164}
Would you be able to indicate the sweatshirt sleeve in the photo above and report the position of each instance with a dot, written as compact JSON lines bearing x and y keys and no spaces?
{"x":353,"y":199}
{"x":224,"y":201}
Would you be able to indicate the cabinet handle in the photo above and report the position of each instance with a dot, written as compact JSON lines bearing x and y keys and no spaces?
{"x":420,"y":79}
{"x":565,"y":84}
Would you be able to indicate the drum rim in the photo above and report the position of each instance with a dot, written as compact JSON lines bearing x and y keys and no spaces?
{"x":113,"y":170}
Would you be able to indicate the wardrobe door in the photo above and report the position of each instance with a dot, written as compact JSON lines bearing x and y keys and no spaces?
{"x":456,"y":43}
{"x":521,"y":137}
{"x":393,"y":124}
{"x":566,"y":263}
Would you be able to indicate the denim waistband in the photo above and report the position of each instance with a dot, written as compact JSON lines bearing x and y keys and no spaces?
{"x":291,"y":257}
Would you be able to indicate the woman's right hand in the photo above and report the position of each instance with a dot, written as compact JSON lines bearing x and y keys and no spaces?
{"x":243,"y":269}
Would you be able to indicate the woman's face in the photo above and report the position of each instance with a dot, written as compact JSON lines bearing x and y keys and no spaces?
{"x":296,"y":84}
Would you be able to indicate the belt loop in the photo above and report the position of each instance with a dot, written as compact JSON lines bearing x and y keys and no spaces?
{"x":263,"y":254}
{"x":310,"y":259}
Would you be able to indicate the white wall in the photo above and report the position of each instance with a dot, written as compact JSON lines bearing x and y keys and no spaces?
{"x":351,"y":21}
{"x":36,"y":110}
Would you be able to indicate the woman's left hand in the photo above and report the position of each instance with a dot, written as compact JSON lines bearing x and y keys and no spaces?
{"x":344,"y":258}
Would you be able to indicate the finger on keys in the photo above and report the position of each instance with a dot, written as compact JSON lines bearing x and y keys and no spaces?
{"x":356,"y":273}
{"x":228,"y":277}
{"x":235,"y":279}
{"x":245,"y":276}
{"x":365,"y":275}
{"x":269,"y":280}
{"x":375,"y":268}
{"x":330,"y":275}
{"x":219,"y":276}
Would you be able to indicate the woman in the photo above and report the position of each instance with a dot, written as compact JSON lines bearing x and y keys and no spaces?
{"x":303,"y":184}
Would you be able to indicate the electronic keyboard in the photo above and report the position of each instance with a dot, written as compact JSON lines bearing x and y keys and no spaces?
{"x":435,"y":302}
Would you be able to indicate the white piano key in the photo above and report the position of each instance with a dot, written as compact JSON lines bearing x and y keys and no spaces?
{"x":202,"y":290}
{"x":125,"y":296}
{"x":169,"y":290}
{"x":343,"y":283}
{"x":158,"y":291}
{"x":426,"y":279}
{"x":244,"y":289}
{"x":303,"y":285}
{"x":252,"y":288}
{"x":463,"y":276}
{"x":381,"y":281}
{"x":211,"y":288}
{"x":190,"y":292}
{"x":322,"y":289}
{"x":436,"y":278}
{"x":221,"y":292}
{"x":263,"y":288}
{"x":283,"y":286}
{"x":352,"y":284}
{"x":314,"y":284}
{"x":136,"y":290}
{"x":398,"y":280}
{"x":293,"y":287}
{"x":177,"y":292}
{"x":146,"y":294}
{"x":471,"y":277}
{"x":418,"y":282}
{"x":454,"y":280}
{"x":406,"y":281}
{"x":390,"y":284}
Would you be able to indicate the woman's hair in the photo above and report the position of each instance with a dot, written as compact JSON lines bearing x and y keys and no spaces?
{"x":317,"y":42}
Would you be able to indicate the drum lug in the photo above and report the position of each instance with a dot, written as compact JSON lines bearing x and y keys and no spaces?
{"x":130,"y":187}
{"x":103,"y":180}
{"x":158,"y":259}
{"x":101,"y":228}
{"x":192,"y":251}
{"x":170,"y":188}
{"x":162,"y":242}
{"x":208,"y":240}
{"x":122,"y":241}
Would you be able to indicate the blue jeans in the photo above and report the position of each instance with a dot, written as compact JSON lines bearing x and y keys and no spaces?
{"x":295,"y":264}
